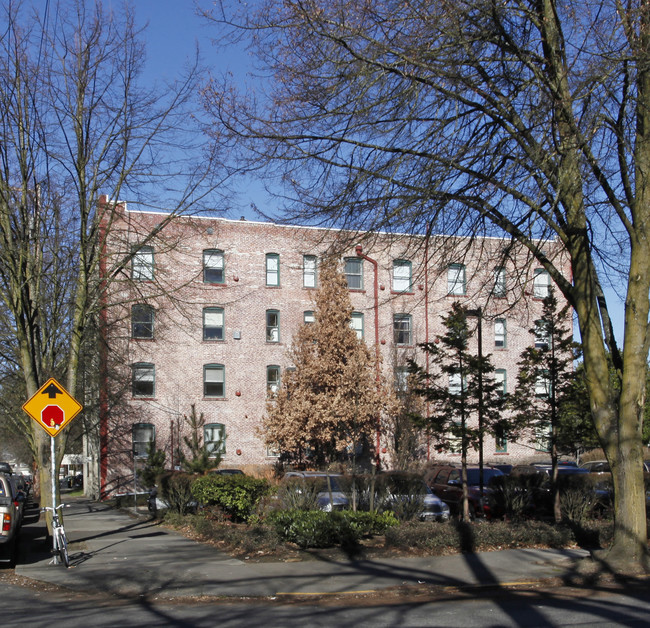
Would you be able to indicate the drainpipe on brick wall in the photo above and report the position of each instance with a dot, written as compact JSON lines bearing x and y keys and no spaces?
{"x":426,"y":322}
{"x":360,"y":253}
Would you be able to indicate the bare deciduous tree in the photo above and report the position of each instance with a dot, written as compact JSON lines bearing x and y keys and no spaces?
{"x":516,"y":117}
{"x":75,"y":125}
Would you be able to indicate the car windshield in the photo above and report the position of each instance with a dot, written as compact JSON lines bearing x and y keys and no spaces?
{"x":319,"y":481}
{"x":488,"y":475}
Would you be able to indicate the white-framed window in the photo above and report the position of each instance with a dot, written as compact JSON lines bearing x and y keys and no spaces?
{"x":214,"y":381}
{"x":308,"y":317}
{"x":500,"y":441}
{"x":272,"y":269}
{"x":500,"y":380}
{"x":499,"y":289}
{"x":142,"y":321}
{"x":142,"y":434}
{"x":356,"y":322}
{"x":402,"y":276}
{"x":542,"y":434}
{"x":500,"y":339}
{"x":456,"y":279}
{"x":272,"y":379}
{"x":143,"y":382}
{"x":455,"y":442}
{"x":401,"y":380}
{"x":457,"y":385}
{"x":309,"y":271}
{"x":213,"y":323}
{"x":542,"y":334}
{"x":213,"y":266}
{"x":543,"y":385}
{"x":354,"y":273}
{"x":272,"y":326}
{"x":541,"y":283}
{"x":142,"y":264}
{"x":402,"y":324}
{"x":214,"y":438}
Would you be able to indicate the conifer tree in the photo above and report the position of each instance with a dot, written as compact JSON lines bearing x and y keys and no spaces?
{"x":544,"y":382}
{"x":461,"y":383}
{"x":328,"y":407}
{"x":200,"y":460}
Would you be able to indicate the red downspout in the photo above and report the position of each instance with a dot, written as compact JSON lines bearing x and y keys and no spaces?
{"x":359,"y":252}
{"x":426,"y":320}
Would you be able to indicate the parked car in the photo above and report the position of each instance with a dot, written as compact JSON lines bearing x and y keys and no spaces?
{"x":318,"y":481}
{"x":11,"y":509}
{"x":226,"y":472}
{"x":445,"y":481}
{"x":403,"y":492}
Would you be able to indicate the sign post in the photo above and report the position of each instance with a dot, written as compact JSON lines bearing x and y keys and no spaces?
{"x":52,"y":407}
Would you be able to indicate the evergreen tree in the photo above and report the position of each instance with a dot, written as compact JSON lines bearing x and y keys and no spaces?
{"x":328,"y":408}
{"x":544,"y":383}
{"x":200,"y":459}
{"x":153,"y":466}
{"x":462,"y":385}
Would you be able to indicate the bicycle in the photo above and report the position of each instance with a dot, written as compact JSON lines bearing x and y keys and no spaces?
{"x":59,"y":539}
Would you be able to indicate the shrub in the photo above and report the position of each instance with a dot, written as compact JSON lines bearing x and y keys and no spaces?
{"x":176,"y":492}
{"x":299,"y":494}
{"x":236,"y":495}
{"x":316,"y":528}
{"x":452,"y":536}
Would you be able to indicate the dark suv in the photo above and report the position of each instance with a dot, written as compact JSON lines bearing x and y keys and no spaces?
{"x":445,"y":481}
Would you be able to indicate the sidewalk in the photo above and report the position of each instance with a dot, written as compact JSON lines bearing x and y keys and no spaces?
{"x":115,"y":553}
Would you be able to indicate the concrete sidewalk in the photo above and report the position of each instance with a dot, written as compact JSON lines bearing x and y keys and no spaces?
{"x":116,"y":553}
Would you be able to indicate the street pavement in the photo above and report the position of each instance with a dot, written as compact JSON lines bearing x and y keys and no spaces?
{"x":127,"y":554}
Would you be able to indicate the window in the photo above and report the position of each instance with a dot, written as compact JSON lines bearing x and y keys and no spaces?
{"x":543,"y":437}
{"x":308,"y":317}
{"x":272,"y":269}
{"x":457,"y":386}
{"x":142,"y":322}
{"x":213,"y":327}
{"x":356,"y":322}
{"x":213,"y":267}
{"x":455,"y":444}
{"x":542,"y":334}
{"x":499,"y":289}
{"x":309,"y":271}
{"x":354,"y":273}
{"x":402,"y":329}
{"x":541,"y":283}
{"x":214,"y":438}
{"x":272,"y":379}
{"x":401,"y":276}
{"x":500,"y":380}
{"x":456,"y":279}
{"x":401,"y":380}
{"x":272,"y":326}
{"x":141,"y":435}
{"x":500,"y":440}
{"x":142,"y":264}
{"x":214,"y":381}
{"x":500,"y":333}
{"x":144,"y":380}
{"x":542,"y":385}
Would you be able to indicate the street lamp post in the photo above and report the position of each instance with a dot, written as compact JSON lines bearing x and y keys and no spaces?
{"x":478,"y":313}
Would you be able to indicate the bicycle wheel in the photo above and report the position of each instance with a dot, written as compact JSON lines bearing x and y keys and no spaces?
{"x":62,"y":546}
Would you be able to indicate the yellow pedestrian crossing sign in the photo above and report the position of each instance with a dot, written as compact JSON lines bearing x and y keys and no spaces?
{"x":52,"y":407}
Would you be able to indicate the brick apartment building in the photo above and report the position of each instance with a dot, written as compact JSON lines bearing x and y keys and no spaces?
{"x":211,"y":305}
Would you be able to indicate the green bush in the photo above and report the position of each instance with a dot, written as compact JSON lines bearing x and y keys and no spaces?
{"x":316,"y":528}
{"x":440,"y":538}
{"x":176,"y":491}
{"x":237,"y":495}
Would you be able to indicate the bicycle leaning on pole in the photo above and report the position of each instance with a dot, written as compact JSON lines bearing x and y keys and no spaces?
{"x":59,"y":539}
